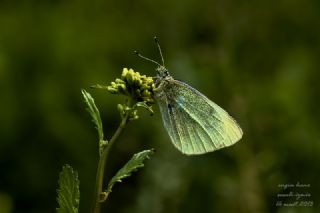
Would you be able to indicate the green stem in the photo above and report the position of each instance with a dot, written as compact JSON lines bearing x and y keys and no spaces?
{"x":102,"y":163}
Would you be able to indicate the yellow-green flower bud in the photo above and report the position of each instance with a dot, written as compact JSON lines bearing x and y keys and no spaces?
{"x":120,"y":108}
{"x":122,"y":88}
{"x":145,"y":93}
{"x":129,"y":78}
{"x":113,"y":84}
{"x":119,"y":81}
{"x":112,"y":90}
{"x":124,"y":73}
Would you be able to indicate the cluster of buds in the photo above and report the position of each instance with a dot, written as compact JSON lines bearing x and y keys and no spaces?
{"x":139,"y":88}
{"x":124,"y":109}
{"x":132,"y":84}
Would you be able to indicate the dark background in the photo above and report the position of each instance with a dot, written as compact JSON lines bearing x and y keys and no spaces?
{"x":257,"y":59}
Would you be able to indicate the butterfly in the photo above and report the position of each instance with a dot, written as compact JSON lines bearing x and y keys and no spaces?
{"x":195,"y":124}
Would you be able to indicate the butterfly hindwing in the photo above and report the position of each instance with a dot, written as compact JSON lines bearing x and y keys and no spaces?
{"x":195,"y":124}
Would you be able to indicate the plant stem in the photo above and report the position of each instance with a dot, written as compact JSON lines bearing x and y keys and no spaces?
{"x":102,"y":163}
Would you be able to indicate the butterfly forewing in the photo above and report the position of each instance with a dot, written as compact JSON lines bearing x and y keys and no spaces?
{"x":195,"y":124}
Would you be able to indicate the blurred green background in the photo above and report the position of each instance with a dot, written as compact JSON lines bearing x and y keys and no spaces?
{"x":257,"y":59}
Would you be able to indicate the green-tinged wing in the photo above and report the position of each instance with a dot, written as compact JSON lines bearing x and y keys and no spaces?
{"x":195,"y":124}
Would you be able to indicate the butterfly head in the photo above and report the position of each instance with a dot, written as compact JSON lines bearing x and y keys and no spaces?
{"x":162,"y":72}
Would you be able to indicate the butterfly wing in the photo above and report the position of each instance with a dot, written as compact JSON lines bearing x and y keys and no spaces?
{"x":195,"y":124}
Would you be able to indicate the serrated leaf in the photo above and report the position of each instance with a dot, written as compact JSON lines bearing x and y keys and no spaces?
{"x":94,"y":112}
{"x":132,"y":165}
{"x":68,"y":192}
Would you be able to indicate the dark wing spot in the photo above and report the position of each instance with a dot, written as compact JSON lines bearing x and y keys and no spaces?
{"x":170,"y":107}
{"x":211,"y":110}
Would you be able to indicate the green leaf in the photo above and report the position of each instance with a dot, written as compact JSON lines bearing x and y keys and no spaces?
{"x":94,"y":112}
{"x":132,"y":165}
{"x":68,"y":192}
{"x":98,"y":86}
{"x":144,"y":105}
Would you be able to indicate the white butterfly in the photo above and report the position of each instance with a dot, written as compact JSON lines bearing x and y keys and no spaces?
{"x":195,"y":124}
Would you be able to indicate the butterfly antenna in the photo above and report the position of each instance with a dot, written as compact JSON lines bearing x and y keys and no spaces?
{"x":159,"y":48}
{"x":145,"y":58}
